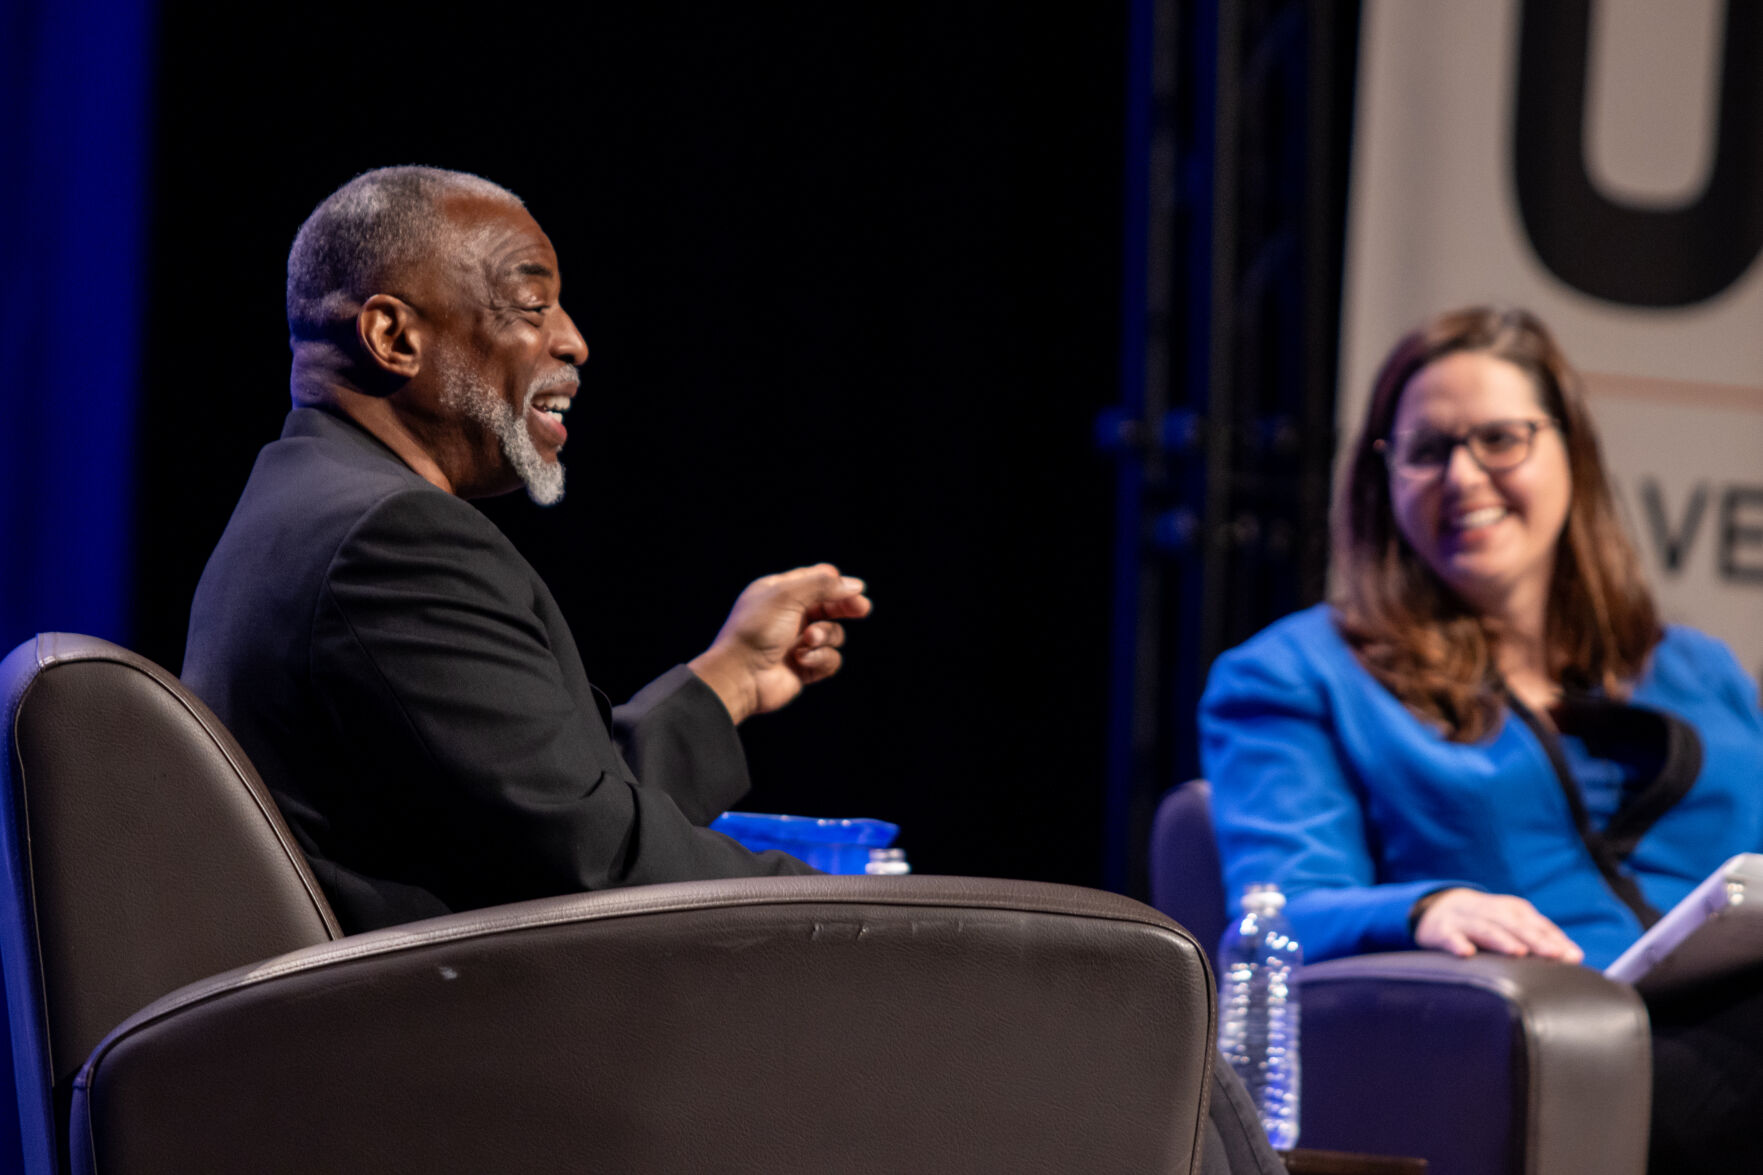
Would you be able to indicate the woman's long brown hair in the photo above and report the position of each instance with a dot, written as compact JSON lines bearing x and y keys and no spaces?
{"x":1408,"y":628}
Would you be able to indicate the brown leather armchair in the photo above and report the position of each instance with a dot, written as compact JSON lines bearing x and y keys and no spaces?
{"x":182,"y":1000}
{"x":1482,"y":1066}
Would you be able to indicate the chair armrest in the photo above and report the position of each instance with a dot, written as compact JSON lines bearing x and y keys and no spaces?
{"x":1480,"y":1065}
{"x":775,"y":1024}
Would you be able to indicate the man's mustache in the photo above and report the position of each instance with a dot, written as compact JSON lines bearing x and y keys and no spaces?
{"x":569,"y":373}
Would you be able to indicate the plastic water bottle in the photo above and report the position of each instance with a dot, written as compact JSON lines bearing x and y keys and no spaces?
{"x":887,"y":863}
{"x":1258,"y":1010}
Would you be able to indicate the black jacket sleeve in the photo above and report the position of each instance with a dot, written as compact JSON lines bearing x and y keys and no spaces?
{"x":676,"y":735}
{"x":487,"y":772}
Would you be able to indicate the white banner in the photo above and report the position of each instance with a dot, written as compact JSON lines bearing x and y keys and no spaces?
{"x":1592,"y":161}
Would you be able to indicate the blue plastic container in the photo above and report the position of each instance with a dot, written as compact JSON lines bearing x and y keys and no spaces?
{"x":832,"y":846}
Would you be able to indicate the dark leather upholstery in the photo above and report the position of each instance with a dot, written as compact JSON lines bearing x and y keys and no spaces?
{"x":1482,"y":1066}
{"x":1520,"y":1065}
{"x":1186,"y":874}
{"x":142,"y":853}
{"x":791,"y":1024}
{"x":777,"y":1024}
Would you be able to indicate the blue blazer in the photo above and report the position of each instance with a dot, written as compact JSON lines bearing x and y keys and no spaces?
{"x":1326,"y":785}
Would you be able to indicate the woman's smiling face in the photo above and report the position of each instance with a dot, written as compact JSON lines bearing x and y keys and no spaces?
{"x":1491,"y":537}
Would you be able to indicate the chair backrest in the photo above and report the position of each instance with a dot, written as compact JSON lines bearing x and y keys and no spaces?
{"x":179,"y":1003}
{"x":1187,"y":881}
{"x":141,"y":853}
{"x":793,"y":1025}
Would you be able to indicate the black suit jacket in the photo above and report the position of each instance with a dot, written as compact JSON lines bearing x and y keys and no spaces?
{"x":410,"y":693}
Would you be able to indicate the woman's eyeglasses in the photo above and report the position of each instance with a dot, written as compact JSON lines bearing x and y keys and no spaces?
{"x":1497,"y":446}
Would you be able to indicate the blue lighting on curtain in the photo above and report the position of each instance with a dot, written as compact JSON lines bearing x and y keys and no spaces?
{"x":74,"y":123}
{"x":74,"y":86}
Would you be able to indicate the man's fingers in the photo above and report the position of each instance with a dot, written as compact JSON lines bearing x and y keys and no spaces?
{"x":824,"y":632}
{"x":847,"y":605}
{"x":821,"y":579}
{"x":816,"y":664}
{"x":820,"y":591}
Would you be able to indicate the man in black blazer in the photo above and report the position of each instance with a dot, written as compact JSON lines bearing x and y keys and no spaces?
{"x":398,"y":673}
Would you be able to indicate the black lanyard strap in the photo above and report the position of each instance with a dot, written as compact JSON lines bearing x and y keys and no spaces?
{"x":1648,"y":803}
{"x":1665,"y":750}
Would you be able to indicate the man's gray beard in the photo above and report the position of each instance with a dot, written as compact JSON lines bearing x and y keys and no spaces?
{"x":465,"y":391}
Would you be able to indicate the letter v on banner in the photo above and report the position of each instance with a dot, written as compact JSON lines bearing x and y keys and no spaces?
{"x":1601,"y":162}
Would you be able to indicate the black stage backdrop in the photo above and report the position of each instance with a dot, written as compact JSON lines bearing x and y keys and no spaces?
{"x":849,"y":275}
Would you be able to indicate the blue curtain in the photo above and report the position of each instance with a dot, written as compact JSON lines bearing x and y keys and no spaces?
{"x":74,"y":121}
{"x":74,"y":89}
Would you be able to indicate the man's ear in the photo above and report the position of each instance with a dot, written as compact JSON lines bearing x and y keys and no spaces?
{"x":391,"y":334}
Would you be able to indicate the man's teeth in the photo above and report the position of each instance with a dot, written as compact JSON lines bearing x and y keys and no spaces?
{"x":552,"y":403}
{"x":1486,"y":516}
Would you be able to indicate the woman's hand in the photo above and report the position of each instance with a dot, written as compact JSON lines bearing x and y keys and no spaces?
{"x":1463,"y":921}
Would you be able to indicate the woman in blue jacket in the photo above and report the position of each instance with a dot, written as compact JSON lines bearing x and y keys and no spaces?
{"x":1489,"y":741}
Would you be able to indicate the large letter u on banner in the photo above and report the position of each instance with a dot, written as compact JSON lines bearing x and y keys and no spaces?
{"x":1613,"y":250}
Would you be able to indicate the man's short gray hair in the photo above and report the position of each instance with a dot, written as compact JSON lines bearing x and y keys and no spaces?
{"x":366,"y":234}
